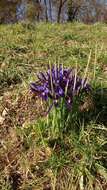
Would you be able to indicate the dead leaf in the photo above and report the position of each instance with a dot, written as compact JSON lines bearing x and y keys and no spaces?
{"x":1,"y":120}
{"x":5,"y":112}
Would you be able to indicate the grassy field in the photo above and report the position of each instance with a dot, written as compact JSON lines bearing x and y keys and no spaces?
{"x":29,"y":158}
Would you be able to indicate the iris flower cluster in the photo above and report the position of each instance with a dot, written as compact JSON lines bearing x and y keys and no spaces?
{"x":57,"y":83}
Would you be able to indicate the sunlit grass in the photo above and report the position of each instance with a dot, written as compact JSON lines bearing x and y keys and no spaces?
{"x":34,"y":154}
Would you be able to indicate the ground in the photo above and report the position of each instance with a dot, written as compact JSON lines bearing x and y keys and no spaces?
{"x":26,"y":49}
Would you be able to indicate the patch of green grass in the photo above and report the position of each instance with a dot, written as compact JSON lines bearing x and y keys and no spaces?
{"x":25,"y":49}
{"x":28,"y":152}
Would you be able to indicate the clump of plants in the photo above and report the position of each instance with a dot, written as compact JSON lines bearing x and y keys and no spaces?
{"x":63,"y":90}
{"x":76,"y":150}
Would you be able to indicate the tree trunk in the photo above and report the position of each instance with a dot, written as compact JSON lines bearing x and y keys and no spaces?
{"x":50,"y":9}
{"x":59,"y":11}
{"x":70,"y":11}
{"x":46,"y":14}
{"x":61,"y":4}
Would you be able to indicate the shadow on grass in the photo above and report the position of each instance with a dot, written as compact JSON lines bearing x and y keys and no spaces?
{"x":100,"y":101}
{"x":94,"y":108}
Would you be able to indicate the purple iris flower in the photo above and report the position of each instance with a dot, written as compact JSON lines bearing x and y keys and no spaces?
{"x":57,"y":83}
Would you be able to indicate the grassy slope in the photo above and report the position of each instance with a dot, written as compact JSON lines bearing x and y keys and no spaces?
{"x":25,"y":49}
